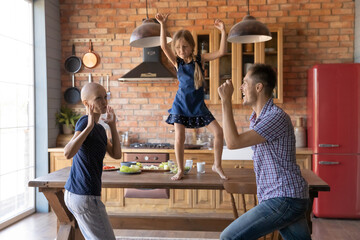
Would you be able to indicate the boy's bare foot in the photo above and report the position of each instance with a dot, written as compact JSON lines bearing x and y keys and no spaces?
{"x":178,"y":176}
{"x":219,"y":171}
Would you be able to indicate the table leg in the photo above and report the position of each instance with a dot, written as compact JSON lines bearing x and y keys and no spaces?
{"x":312,"y":195}
{"x":68,"y":228}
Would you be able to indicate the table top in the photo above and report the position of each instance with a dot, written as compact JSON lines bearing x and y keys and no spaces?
{"x":193,"y":180}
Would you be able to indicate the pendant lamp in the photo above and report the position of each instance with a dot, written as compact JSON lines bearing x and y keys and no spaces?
{"x":147,"y":34}
{"x":249,"y":30}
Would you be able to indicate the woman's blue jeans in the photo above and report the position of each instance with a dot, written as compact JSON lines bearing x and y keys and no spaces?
{"x":288,"y":215}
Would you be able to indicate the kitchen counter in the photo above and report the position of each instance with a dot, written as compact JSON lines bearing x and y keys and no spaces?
{"x":231,"y":158}
{"x":146,"y":150}
{"x":149,"y":150}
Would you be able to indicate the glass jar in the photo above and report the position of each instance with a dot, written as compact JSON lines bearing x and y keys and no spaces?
{"x":126,"y":139}
{"x":300,"y":133}
{"x":204,"y":47}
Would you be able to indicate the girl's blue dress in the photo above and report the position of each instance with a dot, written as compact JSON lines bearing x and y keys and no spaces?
{"x":189,"y":108}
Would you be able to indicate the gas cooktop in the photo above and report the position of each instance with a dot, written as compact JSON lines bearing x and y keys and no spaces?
{"x":152,"y":145}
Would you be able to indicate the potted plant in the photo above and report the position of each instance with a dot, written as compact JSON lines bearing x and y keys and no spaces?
{"x":67,"y":118}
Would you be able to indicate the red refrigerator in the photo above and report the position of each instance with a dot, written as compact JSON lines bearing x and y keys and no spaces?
{"x":333,"y":106}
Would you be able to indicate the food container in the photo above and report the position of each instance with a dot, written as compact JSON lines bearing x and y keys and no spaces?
{"x":200,"y":167}
{"x":249,"y":47}
{"x":188,"y":165}
{"x":128,"y":164}
{"x":247,"y":66}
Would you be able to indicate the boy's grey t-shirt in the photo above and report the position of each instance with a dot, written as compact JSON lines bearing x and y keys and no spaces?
{"x":86,"y":169}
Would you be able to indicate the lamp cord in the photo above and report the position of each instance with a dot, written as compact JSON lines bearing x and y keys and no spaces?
{"x":147,"y":16}
{"x":248,"y":13}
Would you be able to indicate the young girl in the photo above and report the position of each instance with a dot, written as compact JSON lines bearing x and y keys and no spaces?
{"x":189,"y":109}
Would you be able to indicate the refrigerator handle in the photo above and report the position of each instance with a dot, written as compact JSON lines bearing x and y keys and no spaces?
{"x":329,"y":145}
{"x":328,"y":163}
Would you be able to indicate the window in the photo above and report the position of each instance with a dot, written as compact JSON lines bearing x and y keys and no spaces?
{"x":17,"y":149}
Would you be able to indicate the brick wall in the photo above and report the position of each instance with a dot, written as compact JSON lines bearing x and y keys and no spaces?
{"x":316,"y":31}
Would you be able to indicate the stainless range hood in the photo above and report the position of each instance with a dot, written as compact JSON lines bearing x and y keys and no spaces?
{"x":150,"y":70}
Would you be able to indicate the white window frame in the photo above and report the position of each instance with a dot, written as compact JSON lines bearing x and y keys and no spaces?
{"x":30,"y":199}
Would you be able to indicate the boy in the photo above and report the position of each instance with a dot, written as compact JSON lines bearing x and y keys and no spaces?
{"x":88,"y":147}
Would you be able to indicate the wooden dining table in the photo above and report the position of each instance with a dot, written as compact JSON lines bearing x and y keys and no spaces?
{"x":52,"y":186}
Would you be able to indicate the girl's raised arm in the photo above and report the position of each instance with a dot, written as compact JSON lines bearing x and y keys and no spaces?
{"x":162,"y":18}
{"x":223,"y":45}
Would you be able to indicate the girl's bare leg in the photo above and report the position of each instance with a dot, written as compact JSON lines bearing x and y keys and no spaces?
{"x":179,"y":150}
{"x":217,"y":131}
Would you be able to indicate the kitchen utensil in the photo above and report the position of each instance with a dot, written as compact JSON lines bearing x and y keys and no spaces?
{"x":73,"y":63}
{"x":192,"y":146}
{"x":90,"y":80}
{"x":110,"y":168}
{"x":107,"y":87}
{"x":72,"y":95}
{"x":101,"y":81}
{"x":90,"y":59}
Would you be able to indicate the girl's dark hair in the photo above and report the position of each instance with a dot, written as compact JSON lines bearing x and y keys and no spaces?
{"x":265,"y":74}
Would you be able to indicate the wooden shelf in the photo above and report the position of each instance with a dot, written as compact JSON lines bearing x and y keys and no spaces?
{"x":235,"y":60}
{"x":271,"y":53}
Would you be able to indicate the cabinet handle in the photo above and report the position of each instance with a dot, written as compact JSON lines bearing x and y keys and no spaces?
{"x":329,"y":145}
{"x":328,"y":163}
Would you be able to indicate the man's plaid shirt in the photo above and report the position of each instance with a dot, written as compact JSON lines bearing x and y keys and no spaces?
{"x":277,"y":174}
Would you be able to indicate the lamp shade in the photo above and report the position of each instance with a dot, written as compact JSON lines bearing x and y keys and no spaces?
{"x":147,"y":35}
{"x":249,"y":30}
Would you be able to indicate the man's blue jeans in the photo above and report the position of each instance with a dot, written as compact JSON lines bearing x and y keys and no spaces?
{"x":288,"y":215}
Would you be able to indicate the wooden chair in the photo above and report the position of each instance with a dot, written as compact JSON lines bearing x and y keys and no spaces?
{"x":242,"y":189}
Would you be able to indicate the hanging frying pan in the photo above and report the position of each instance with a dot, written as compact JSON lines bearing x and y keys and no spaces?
{"x":90,"y":59}
{"x":73,"y":63}
{"x":72,"y":95}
